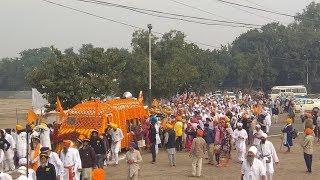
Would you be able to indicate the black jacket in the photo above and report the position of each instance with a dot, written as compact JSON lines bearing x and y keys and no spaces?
{"x":46,"y":173}
{"x":98,"y":146}
{"x":152,"y":134}
{"x":171,"y":140}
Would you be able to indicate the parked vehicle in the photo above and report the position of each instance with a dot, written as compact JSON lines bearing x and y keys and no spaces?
{"x":217,"y":94}
{"x":231,"y":95}
{"x":306,"y":104}
{"x":297,"y":90}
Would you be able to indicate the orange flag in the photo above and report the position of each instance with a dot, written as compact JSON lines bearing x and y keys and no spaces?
{"x":31,"y":116}
{"x":59,"y":108}
{"x":140,"y":97}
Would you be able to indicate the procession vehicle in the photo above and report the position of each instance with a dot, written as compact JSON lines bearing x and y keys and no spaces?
{"x":97,"y":115}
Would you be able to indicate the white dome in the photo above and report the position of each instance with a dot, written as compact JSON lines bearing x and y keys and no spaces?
{"x":127,"y":95}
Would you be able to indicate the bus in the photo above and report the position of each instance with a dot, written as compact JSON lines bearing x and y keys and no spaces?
{"x":296,"y":90}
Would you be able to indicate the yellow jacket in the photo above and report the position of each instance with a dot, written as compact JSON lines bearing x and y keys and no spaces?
{"x":178,"y":126}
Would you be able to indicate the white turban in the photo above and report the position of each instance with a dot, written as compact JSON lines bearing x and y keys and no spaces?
{"x":239,"y":124}
{"x":264,"y":135}
{"x":22,"y":161}
{"x":258,"y":126}
{"x":253,"y":149}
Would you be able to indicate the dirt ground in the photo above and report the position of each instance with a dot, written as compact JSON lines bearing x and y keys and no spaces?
{"x":13,"y":110}
{"x":291,"y":164}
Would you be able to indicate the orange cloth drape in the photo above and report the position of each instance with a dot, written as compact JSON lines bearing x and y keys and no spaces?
{"x":35,"y":157}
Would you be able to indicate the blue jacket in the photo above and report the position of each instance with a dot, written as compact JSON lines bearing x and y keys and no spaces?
{"x":208,"y":135}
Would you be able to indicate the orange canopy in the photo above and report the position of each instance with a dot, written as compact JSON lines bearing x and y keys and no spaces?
{"x":95,"y":114}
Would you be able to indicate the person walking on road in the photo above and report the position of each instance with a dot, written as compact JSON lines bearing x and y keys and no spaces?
{"x":133,"y":158}
{"x":252,"y":168}
{"x":198,"y":150}
{"x":169,"y":141}
{"x":99,"y":148}
{"x":209,"y":138}
{"x":152,"y":138}
{"x":268,"y":155}
{"x":88,"y":159}
{"x":178,"y":128}
{"x":287,"y":134}
{"x":240,"y":135}
{"x":307,"y":146}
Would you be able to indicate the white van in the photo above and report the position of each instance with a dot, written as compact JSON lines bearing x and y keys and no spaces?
{"x":297,"y":90}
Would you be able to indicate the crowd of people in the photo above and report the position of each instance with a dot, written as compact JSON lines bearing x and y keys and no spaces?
{"x":209,"y":127}
{"x":206,"y":126}
{"x":37,"y":160}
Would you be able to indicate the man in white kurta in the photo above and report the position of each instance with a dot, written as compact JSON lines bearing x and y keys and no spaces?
{"x":117,"y":136}
{"x":71,"y":161}
{"x":21,"y":142}
{"x":44,"y":133}
{"x":268,"y":122}
{"x":257,"y":133}
{"x":252,"y":168}
{"x":31,"y":172}
{"x":9,"y":154}
{"x":240,"y":135}
{"x":133,"y":158}
{"x":268,"y":155}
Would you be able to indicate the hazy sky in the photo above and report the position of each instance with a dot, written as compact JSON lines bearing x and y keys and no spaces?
{"x":33,"y":23}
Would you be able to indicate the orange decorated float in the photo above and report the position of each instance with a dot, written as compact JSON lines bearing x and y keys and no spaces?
{"x":95,"y":114}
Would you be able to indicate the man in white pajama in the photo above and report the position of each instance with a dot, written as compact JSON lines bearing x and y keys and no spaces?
{"x":268,"y":155}
{"x":117,"y":136}
{"x":240,"y":135}
{"x":71,"y":161}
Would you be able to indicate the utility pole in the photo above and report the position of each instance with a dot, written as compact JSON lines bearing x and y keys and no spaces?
{"x":307,"y":71}
{"x":150,"y":83}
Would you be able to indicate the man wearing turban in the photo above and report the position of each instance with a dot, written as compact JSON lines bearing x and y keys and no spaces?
{"x":240,"y":135}
{"x":287,"y":134}
{"x":133,"y":158}
{"x":268,"y":155}
{"x":307,"y":146}
{"x":117,"y":137}
{"x":70,"y":158}
{"x":197,"y":152}
{"x":169,"y":141}
{"x":252,"y":168}
{"x":21,"y":142}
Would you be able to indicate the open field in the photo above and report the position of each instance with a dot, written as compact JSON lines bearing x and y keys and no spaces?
{"x":13,"y":110}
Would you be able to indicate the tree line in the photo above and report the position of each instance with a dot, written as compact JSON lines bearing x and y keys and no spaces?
{"x":274,"y":54}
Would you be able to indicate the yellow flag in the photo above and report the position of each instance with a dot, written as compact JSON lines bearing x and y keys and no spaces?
{"x":31,"y":116}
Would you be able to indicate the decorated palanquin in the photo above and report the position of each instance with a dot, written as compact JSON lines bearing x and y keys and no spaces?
{"x":95,"y":114}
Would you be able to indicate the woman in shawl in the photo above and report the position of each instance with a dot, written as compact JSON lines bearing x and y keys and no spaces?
{"x":190,"y":132}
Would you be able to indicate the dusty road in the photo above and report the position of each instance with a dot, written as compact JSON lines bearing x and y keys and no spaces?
{"x":291,"y":165}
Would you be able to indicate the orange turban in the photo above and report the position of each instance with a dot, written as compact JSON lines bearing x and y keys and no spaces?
{"x":199,"y":133}
{"x":308,"y":131}
{"x":66,"y":143}
{"x":179,"y":118}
